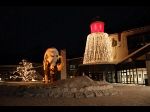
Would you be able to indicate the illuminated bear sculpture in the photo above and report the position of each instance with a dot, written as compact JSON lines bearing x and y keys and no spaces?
{"x":52,"y":64}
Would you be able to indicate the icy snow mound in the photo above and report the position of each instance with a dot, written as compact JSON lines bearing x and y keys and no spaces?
{"x":78,"y":87}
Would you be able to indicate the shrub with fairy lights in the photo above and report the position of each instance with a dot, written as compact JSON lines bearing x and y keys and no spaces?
{"x":25,"y":71}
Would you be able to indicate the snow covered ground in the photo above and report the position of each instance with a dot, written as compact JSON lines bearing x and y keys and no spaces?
{"x":129,"y":95}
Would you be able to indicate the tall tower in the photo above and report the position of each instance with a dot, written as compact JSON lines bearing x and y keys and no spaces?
{"x":98,"y":47}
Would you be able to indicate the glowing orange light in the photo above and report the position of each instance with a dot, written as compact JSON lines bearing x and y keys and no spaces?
{"x":97,"y":26}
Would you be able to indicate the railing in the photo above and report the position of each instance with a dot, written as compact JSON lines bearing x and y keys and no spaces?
{"x":6,"y":71}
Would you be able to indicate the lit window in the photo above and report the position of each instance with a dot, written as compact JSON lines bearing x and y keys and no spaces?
{"x":145,"y":76}
{"x":72,"y":66}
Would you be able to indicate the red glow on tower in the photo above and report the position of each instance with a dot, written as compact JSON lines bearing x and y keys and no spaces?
{"x":97,"y":26}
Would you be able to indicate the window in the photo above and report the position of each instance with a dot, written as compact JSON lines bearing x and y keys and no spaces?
{"x":129,"y":76}
{"x":145,"y":76}
{"x":72,"y":66}
{"x":139,"y":75}
{"x":114,"y":43}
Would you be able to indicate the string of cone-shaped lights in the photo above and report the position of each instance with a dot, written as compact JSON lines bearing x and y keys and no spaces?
{"x":98,"y":47}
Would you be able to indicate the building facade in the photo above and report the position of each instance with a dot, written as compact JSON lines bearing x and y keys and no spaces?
{"x":131,"y":57}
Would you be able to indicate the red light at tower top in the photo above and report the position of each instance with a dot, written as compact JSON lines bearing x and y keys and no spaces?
{"x":97,"y":26}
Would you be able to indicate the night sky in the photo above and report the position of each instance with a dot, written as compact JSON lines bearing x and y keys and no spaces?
{"x":27,"y":31}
